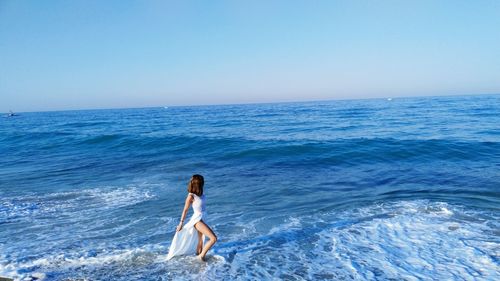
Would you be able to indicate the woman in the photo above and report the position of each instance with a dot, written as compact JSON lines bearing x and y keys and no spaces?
{"x":189,"y":239}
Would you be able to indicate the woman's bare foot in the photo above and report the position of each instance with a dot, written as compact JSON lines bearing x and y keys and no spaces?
{"x":200,"y":258}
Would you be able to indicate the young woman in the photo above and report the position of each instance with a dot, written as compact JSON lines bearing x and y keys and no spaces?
{"x":189,"y":239}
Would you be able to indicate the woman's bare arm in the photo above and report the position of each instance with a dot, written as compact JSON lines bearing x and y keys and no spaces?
{"x":189,"y":200}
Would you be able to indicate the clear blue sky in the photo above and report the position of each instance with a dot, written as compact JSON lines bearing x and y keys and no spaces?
{"x":104,"y":54}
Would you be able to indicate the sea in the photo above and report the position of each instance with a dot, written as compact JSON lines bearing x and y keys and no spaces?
{"x":375,"y":189}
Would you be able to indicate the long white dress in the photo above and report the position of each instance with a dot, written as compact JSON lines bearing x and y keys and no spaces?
{"x":186,"y":240}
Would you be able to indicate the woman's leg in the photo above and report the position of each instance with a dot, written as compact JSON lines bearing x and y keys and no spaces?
{"x":199,"y":248}
{"x":203,"y":228}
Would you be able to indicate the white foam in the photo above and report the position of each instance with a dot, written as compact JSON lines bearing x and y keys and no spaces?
{"x":86,"y":199}
{"x":406,"y":240}
{"x":290,"y":222}
{"x":127,"y":258}
{"x":61,"y":219}
{"x":409,"y":240}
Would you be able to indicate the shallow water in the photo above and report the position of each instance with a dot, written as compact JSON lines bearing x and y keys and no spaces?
{"x":407,"y":189}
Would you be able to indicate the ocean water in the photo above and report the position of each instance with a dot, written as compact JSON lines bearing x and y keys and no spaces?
{"x":401,"y":189}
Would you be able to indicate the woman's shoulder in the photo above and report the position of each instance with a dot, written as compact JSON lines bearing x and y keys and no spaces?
{"x":194,"y":195}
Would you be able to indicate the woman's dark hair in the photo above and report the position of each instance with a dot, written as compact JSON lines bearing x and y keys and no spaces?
{"x":195,"y":185}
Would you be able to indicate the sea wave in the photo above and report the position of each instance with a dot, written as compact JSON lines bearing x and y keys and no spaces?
{"x":403,"y":240}
{"x":29,"y":206}
{"x":352,"y":190}
{"x":362,"y":151}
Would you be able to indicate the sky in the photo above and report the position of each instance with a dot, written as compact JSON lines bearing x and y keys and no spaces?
{"x":58,"y":55}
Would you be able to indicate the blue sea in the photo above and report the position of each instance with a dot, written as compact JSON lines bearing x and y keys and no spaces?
{"x":377,"y":189}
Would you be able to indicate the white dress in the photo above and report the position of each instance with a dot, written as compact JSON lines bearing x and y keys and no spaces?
{"x":186,"y":240}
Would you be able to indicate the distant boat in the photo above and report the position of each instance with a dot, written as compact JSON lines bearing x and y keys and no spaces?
{"x":389,"y":99}
{"x":166,"y":107}
{"x":11,"y":114}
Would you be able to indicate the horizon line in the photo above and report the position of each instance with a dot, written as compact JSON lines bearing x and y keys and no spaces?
{"x":252,"y":103}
